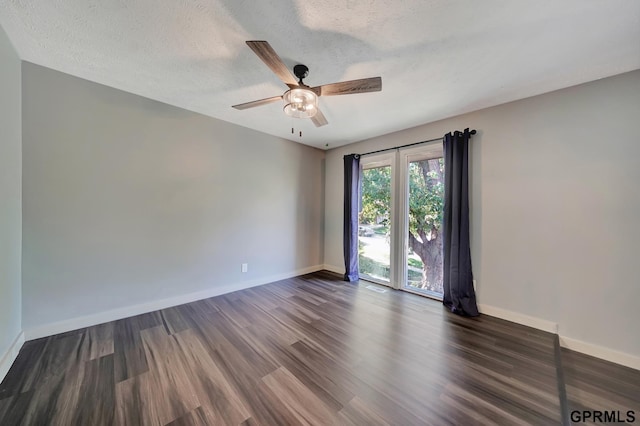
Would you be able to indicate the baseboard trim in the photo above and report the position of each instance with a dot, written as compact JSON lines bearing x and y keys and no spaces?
{"x":597,"y":351}
{"x":333,"y":268}
{"x":10,"y":355}
{"x":37,"y":332}
{"x":518,"y":318}
{"x":129,"y":311}
{"x":601,"y":352}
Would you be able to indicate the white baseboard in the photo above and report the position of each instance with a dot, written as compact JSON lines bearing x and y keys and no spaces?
{"x":7,"y":359}
{"x":597,"y":351}
{"x":332,"y":268}
{"x":601,"y":352}
{"x":129,"y":311}
{"x":540,"y":324}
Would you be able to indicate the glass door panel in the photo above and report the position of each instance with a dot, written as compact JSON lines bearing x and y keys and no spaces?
{"x":374,"y":230}
{"x":426,"y":205}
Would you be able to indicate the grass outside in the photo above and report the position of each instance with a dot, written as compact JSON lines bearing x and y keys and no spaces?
{"x":381,"y":271}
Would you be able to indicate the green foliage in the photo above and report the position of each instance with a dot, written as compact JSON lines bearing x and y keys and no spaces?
{"x":426,"y":201}
{"x":415,"y":263}
{"x":414,"y":277}
{"x":374,"y":269}
{"x":376,"y":194}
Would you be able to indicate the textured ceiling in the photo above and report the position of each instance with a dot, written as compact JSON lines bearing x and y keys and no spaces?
{"x":437,"y":58}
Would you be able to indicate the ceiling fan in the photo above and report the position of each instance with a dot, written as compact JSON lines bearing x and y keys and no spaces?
{"x":301,"y":101}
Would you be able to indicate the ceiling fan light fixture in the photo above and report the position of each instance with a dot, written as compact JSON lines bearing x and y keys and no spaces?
{"x":300,"y":103}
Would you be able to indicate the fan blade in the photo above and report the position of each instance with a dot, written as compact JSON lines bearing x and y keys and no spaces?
{"x":257,"y":103}
{"x":319,"y":119}
{"x":373,"y":84}
{"x":269,"y":56}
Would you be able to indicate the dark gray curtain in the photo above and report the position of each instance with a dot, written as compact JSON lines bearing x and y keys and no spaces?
{"x":459,"y":295}
{"x":351,"y":209}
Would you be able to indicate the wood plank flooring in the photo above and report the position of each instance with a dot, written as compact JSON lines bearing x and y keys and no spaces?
{"x":308,"y":350}
{"x":594,"y":385}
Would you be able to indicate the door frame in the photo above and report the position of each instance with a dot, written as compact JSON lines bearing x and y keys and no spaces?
{"x":383,"y":160}
{"x":428,"y":151}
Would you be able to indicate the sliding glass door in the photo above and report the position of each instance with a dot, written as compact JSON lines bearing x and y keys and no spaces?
{"x":411,"y":259}
{"x":422,"y":171}
{"x":424,"y":245}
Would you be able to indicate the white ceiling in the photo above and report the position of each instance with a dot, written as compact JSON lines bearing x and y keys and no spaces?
{"x":437,"y":58}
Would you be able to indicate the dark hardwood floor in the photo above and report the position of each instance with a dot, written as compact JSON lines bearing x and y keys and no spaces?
{"x":308,"y":350}
{"x":594,"y":385}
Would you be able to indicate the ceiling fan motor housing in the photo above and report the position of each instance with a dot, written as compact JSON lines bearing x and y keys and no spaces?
{"x":301,"y":71}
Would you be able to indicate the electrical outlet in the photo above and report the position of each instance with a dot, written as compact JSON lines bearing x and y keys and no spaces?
{"x":245,"y":267}
{"x":474,"y":285}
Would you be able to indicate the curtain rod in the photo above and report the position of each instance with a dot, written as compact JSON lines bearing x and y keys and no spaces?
{"x":473,"y":132}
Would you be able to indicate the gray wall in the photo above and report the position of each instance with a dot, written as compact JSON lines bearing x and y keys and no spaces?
{"x":127,"y":200}
{"x":10,"y":194}
{"x":555,"y":207}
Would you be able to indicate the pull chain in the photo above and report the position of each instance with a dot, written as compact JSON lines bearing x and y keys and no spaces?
{"x":293,"y":130}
